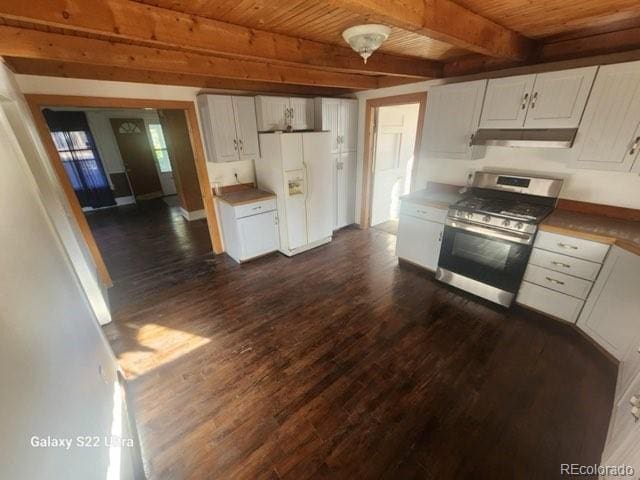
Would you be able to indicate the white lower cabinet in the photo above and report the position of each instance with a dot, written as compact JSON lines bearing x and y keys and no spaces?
{"x":611,"y":313}
{"x":249,"y":230}
{"x":419,"y":240}
{"x":556,"y":304}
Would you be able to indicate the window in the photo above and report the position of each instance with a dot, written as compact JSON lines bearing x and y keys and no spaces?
{"x":159,"y":147}
{"x":78,"y":158}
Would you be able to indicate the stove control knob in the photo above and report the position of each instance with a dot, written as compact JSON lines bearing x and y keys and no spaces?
{"x":506,"y":223}
{"x":486,"y":218}
{"x":519,"y":225}
{"x":469,"y":215}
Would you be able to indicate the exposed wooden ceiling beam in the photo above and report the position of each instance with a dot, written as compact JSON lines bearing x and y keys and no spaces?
{"x":443,"y":20}
{"x":573,"y":48}
{"x":129,"y":20}
{"x":25,"y":43}
{"x":98,"y":72}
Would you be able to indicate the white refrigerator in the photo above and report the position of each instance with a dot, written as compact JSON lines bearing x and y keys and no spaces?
{"x":297,"y":167}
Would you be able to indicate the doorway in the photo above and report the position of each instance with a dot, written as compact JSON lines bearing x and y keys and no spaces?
{"x":393,"y":157}
{"x":393,"y":130}
{"x":176,"y":116}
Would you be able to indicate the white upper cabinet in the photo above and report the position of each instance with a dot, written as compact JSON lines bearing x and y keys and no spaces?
{"x":301,"y":113}
{"x":506,"y":102}
{"x":277,"y":113}
{"x":229,"y":127}
{"x":452,"y":116}
{"x":558,"y":98}
{"x":544,"y":100}
{"x":246,"y":130}
{"x":609,"y":136}
{"x":340,"y":117}
{"x":272,"y":112}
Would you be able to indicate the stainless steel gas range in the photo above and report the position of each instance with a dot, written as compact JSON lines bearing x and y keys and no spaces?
{"x":488,"y":235}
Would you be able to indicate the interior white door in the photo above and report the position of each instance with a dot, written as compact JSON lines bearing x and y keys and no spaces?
{"x":348,"y":125}
{"x":393,"y":159}
{"x":452,"y":118}
{"x":330,"y":120}
{"x":611,"y":122}
{"x":559,"y":98}
{"x":317,"y":160}
{"x":272,"y":113}
{"x":258,"y":234}
{"x":295,"y":207}
{"x":301,"y":113}
{"x":506,"y":102}
{"x":245,"y":120}
{"x":223,"y":128}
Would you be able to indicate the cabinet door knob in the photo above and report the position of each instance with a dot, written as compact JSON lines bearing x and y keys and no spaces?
{"x":533,"y":99}
{"x":524,"y":101}
{"x":235,"y":144}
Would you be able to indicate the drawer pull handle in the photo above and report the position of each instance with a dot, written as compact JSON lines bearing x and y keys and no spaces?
{"x":566,"y":245}
{"x":256,"y":208}
{"x":553,"y":280}
{"x":560,"y":264}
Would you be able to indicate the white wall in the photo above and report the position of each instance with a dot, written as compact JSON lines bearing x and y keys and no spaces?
{"x":58,"y":373}
{"x":609,"y":188}
{"x":218,"y":172}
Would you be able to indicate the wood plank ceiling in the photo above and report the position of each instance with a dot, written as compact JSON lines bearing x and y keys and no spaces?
{"x":297,"y":46}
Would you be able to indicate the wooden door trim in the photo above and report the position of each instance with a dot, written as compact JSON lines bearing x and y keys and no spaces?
{"x":38,"y":102}
{"x":367,"y":170}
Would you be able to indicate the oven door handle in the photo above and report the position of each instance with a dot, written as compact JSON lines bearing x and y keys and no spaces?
{"x":523,"y":238}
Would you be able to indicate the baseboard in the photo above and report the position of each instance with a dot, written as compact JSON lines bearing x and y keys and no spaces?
{"x":150,"y":196}
{"x":125,"y":200}
{"x":193,"y":215}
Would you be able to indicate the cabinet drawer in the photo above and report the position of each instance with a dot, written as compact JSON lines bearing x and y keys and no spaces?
{"x":255,"y":208}
{"x":575,"y":247}
{"x":422,"y":211}
{"x":550,"y":302}
{"x":565,"y":264}
{"x":576,"y":287}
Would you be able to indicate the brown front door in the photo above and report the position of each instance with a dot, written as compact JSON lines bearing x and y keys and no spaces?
{"x":137,"y":156}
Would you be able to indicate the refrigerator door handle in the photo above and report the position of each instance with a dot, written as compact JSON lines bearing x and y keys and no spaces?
{"x":306,"y":181}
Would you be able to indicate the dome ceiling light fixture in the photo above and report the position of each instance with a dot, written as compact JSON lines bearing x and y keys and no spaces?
{"x":365,"y":39}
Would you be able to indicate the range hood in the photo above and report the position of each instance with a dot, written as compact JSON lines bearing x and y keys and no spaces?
{"x":527,"y":137}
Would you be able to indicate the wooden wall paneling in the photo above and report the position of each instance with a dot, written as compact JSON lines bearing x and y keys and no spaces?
{"x":369,"y":136}
{"x":52,"y":46}
{"x":151,"y":25}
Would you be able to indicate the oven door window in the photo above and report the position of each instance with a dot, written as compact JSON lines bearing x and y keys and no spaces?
{"x":493,"y":261}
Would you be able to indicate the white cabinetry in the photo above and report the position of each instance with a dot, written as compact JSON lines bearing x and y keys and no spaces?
{"x":560,"y":274}
{"x":277,"y":113}
{"x":340,"y":118}
{"x":609,"y":136}
{"x":420,"y":230}
{"x":452,"y":116}
{"x":544,"y":100}
{"x":249,"y":229}
{"x":610,"y":315}
{"x":229,"y":127}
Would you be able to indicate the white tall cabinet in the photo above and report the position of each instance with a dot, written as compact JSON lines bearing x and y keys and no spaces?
{"x":451,"y":119}
{"x":339,"y":116}
{"x":609,"y":136}
{"x":544,"y":100}
{"x":229,"y":127}
{"x":277,"y":113}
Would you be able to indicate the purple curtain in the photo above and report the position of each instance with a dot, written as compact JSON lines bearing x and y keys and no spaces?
{"x":75,"y":144}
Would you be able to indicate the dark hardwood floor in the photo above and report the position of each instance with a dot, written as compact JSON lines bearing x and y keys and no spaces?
{"x":339,"y":363}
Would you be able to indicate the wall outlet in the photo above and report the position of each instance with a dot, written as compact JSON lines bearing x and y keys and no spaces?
{"x":469,"y":177}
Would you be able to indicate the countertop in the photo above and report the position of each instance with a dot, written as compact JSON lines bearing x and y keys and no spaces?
{"x":623,"y":233}
{"x":432,"y":198}
{"x":242,"y":197}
